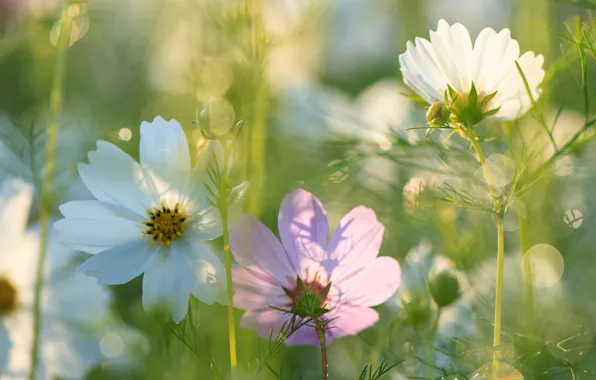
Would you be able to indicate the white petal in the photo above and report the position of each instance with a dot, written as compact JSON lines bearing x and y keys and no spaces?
{"x":20,"y":336}
{"x":15,"y":200}
{"x":17,"y":258}
{"x":201,"y":270}
{"x":430,"y":67}
{"x":417,"y":70}
{"x":114,"y":177}
{"x":164,"y":151}
{"x":120,"y":264}
{"x":512,"y":95}
{"x":163,"y":287}
{"x":205,"y":225}
{"x":92,"y":226}
{"x":493,"y":56}
{"x":453,"y":50}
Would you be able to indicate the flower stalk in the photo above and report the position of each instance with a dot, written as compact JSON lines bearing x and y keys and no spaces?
{"x":223,"y":210}
{"x":320,"y":329}
{"x":47,"y":184}
{"x":498,"y":292}
{"x":500,"y":212}
{"x":257,"y":139}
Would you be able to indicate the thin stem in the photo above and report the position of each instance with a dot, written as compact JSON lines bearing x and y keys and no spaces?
{"x":258,"y":135}
{"x":223,"y":210}
{"x":48,"y":177}
{"x":323,"y":344}
{"x":485,"y":170}
{"x":498,"y":292}
{"x":500,"y":249}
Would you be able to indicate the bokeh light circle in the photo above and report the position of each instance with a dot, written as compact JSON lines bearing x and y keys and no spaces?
{"x":500,"y":168}
{"x":111,"y":345}
{"x":547,"y":265}
{"x":125,"y":134}
{"x":573,"y":218}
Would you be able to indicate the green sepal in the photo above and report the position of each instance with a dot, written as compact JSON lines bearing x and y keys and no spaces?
{"x":473,"y":97}
{"x":492,"y":112}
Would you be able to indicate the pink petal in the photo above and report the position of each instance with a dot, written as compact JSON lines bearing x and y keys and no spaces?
{"x":266,"y":322}
{"x":303,"y":229}
{"x":254,"y":244}
{"x":304,"y":336}
{"x":355,"y":242}
{"x":372,"y":285}
{"x":254,"y":289}
{"x":350,"y":320}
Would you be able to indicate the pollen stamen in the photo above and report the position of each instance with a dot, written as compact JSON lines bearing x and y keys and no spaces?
{"x":8,"y":296}
{"x":165,"y":224}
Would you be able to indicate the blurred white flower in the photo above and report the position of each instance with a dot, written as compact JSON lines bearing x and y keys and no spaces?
{"x":318,"y":113}
{"x":449,"y":59}
{"x":150,"y":218}
{"x":73,"y":306}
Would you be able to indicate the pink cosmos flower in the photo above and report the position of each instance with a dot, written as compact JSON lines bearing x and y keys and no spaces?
{"x":267,"y":270}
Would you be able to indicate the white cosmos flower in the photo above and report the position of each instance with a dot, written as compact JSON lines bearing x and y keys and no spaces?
{"x":73,"y":306}
{"x":449,"y":59}
{"x":149,"y":218}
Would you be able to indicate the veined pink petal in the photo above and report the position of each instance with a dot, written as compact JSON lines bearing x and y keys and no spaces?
{"x":355,"y":242}
{"x":358,"y":279}
{"x":350,"y":320}
{"x":303,"y":229}
{"x":305,"y":336}
{"x":372,"y":285}
{"x":252,"y":243}
{"x":266,"y":322}
{"x":254,"y":289}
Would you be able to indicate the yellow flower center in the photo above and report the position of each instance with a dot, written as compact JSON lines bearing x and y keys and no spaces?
{"x":165,"y":224}
{"x":8,"y":296}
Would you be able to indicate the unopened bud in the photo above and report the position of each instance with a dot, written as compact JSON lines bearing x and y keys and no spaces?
{"x":444,"y":289}
{"x":438,"y":114}
{"x":217,"y":118}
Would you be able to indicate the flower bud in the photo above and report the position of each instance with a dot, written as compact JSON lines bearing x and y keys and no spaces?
{"x":438,"y":114}
{"x":444,"y":288}
{"x":217,"y":118}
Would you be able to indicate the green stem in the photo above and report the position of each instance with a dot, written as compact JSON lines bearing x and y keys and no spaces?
{"x":230,"y":290}
{"x":500,"y":249}
{"x":223,"y":210}
{"x":323,"y":345}
{"x":498,"y":293}
{"x":48,"y":177}
{"x":485,"y":169}
{"x":258,"y":131}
